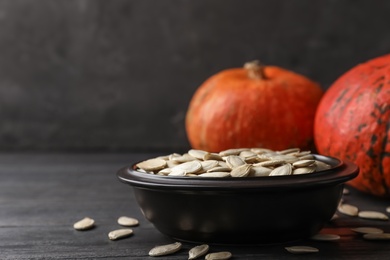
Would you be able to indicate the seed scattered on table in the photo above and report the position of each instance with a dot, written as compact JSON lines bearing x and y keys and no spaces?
{"x":388,"y":209}
{"x":219,"y":255}
{"x":345,"y":191}
{"x":84,"y":224}
{"x":120,"y":233}
{"x":128,"y":221}
{"x":301,"y":249}
{"x":367,"y":230}
{"x":348,"y":209}
{"x":373,"y":215}
{"x":380,"y":236}
{"x":198,"y":251}
{"x":325,"y":237}
{"x":165,"y":249}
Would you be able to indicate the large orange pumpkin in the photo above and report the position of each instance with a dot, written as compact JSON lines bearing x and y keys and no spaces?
{"x":353,"y":123}
{"x":254,"y":106}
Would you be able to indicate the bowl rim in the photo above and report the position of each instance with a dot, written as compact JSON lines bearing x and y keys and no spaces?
{"x":340,"y":172}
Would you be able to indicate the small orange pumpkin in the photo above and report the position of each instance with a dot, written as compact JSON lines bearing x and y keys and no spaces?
{"x":254,"y":106}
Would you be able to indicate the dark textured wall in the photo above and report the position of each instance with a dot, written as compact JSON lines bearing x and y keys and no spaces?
{"x":118,"y":75}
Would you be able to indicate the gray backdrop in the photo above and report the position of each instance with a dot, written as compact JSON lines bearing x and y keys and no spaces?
{"x":117,"y":75}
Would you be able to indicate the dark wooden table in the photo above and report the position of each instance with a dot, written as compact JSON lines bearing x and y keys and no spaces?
{"x":42,"y":195}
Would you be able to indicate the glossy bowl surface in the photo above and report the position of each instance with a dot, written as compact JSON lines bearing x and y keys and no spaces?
{"x":250,"y":210}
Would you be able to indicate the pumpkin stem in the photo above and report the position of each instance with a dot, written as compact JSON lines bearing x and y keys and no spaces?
{"x":255,"y":69}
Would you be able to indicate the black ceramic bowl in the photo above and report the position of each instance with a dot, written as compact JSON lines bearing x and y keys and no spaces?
{"x":251,"y":210}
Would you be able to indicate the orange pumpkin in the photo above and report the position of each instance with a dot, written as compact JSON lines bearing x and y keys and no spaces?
{"x":254,"y":106}
{"x":353,"y":123}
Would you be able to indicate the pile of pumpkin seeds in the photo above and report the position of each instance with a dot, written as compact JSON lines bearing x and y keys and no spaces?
{"x":244,"y":162}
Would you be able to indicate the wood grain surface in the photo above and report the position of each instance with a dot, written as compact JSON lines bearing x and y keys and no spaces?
{"x":42,"y":195}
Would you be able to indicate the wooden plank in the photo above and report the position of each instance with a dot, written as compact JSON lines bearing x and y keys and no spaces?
{"x":41,"y":196}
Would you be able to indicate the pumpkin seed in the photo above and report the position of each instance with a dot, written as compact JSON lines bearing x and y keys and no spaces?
{"x":184,"y":158}
{"x":301,"y":249}
{"x":261,"y":150}
{"x":379,"y":236}
{"x":120,"y":233}
{"x":241,"y":171}
{"x":127,"y":221}
{"x":270,"y":163}
{"x":198,"y":154}
{"x":219,"y":169}
{"x":388,"y":209}
{"x":263,"y":158}
{"x":212,"y":156}
{"x":165,"y":171}
{"x":173,"y":155}
{"x":282,"y":170}
{"x":303,"y":163}
{"x":198,"y":251}
{"x":171,"y":164}
{"x":215,"y":174}
{"x":188,"y":167}
{"x":165,"y":249}
{"x":289,"y":151}
{"x":372,"y":215}
{"x":142,"y":170}
{"x":231,"y":152}
{"x":325,"y":237}
{"x":248,"y":156}
{"x":302,"y":153}
{"x":209,"y":164}
{"x":223,"y":164}
{"x":321,"y":166}
{"x":84,"y":224}
{"x":345,"y":191}
{"x":219,"y":255}
{"x":367,"y":230}
{"x":303,"y":170}
{"x":152,"y":164}
{"x":348,"y":209}
{"x":285,"y":158}
{"x":178,"y":172}
{"x":307,"y":157}
{"x":257,"y":171}
{"x":233,"y":161}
